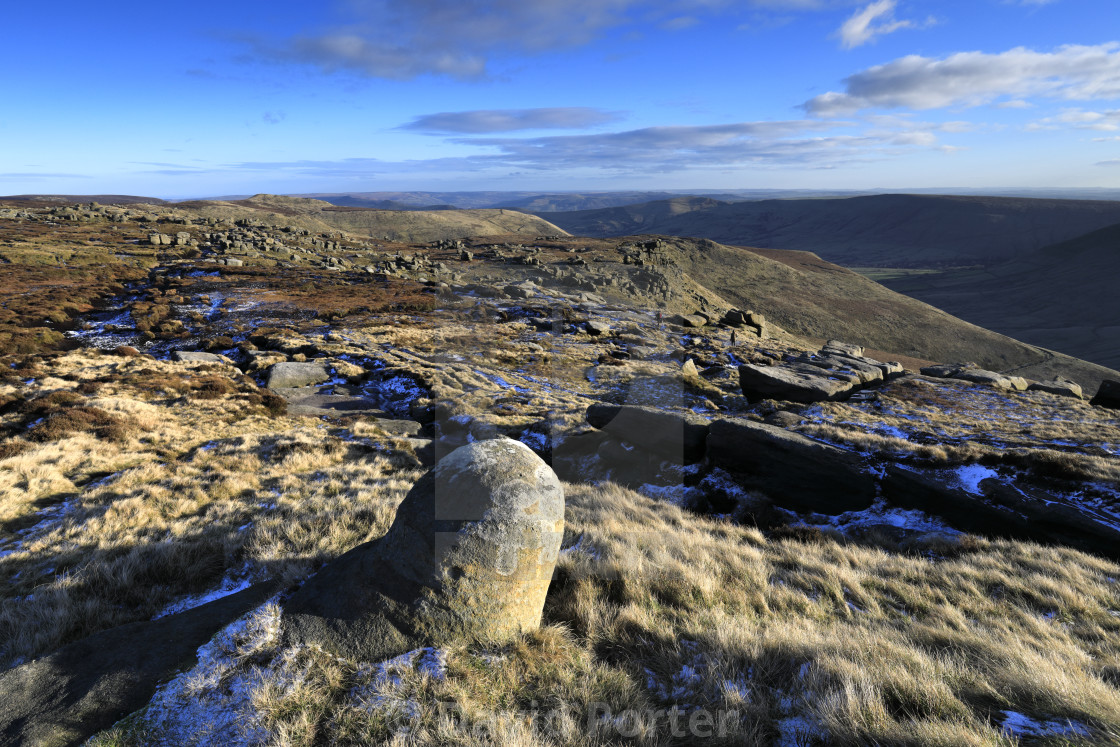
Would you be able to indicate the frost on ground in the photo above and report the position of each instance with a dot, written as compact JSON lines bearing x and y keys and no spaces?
{"x":212,"y":704}
{"x":229,"y":585}
{"x":380,"y":686}
{"x":971,"y":475}
{"x":218,"y":703}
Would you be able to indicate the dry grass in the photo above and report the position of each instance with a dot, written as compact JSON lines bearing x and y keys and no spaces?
{"x":805,"y":640}
{"x":102,"y":524}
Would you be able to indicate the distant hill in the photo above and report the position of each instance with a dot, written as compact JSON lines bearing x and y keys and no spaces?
{"x":1064,"y":297}
{"x":524,"y":201}
{"x":414,"y":225}
{"x":875,"y":231}
{"x":71,"y":199}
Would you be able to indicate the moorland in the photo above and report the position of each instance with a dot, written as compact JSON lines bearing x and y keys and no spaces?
{"x":197,"y":398}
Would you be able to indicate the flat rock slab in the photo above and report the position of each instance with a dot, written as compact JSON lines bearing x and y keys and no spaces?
{"x":87,"y":686}
{"x":793,"y":383}
{"x":330,"y":405}
{"x":791,"y":469}
{"x":678,"y":436}
{"x":186,"y":356}
{"x":289,"y":375}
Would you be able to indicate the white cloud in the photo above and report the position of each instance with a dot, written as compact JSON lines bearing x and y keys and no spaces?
{"x":1071,"y":72}
{"x":1107,"y":121}
{"x":876,"y":19}
{"x":510,"y":120}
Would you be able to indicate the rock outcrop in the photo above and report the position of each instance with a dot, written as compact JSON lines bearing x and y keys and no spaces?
{"x":971,"y":372}
{"x":679,"y":437}
{"x":833,"y":373}
{"x":791,"y":469}
{"x":469,"y":556}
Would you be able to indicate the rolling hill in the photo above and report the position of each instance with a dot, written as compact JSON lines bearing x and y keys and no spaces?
{"x":1062,"y":297}
{"x":395,"y":225}
{"x":877,"y":231}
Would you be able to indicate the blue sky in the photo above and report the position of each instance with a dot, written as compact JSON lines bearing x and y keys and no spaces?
{"x":213,"y":98}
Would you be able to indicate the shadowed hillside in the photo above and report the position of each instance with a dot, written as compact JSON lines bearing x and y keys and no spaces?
{"x":810,"y":297}
{"x":880,"y":231}
{"x":1062,"y":297}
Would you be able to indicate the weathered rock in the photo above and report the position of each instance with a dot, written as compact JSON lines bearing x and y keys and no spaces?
{"x":87,"y":686}
{"x":469,"y":556}
{"x":597,"y":327}
{"x":1108,"y":395}
{"x":988,"y":378}
{"x":1061,"y":387}
{"x":688,"y":369}
{"x":688,"y":320}
{"x":289,"y":375}
{"x":677,"y":436}
{"x":1020,"y":511}
{"x":946,"y":370}
{"x":844,"y":366}
{"x":836,"y":347}
{"x":793,"y":382}
{"x":186,"y":356}
{"x":791,"y":469}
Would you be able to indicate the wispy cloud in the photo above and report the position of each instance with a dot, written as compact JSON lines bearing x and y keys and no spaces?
{"x":510,"y":120}
{"x":1107,"y":121}
{"x":874,"y":20}
{"x":652,"y":150}
{"x":456,"y":38}
{"x":40,"y":175}
{"x":1071,"y":72}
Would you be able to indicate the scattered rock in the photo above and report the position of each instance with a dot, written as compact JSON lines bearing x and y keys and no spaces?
{"x":597,"y":328}
{"x":688,"y":320}
{"x":469,"y":556}
{"x":186,"y":356}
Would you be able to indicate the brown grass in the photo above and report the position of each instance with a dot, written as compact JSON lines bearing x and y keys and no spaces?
{"x":863,"y":646}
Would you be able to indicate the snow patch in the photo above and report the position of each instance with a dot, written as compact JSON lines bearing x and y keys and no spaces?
{"x":227,"y":587}
{"x":970,"y":476}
